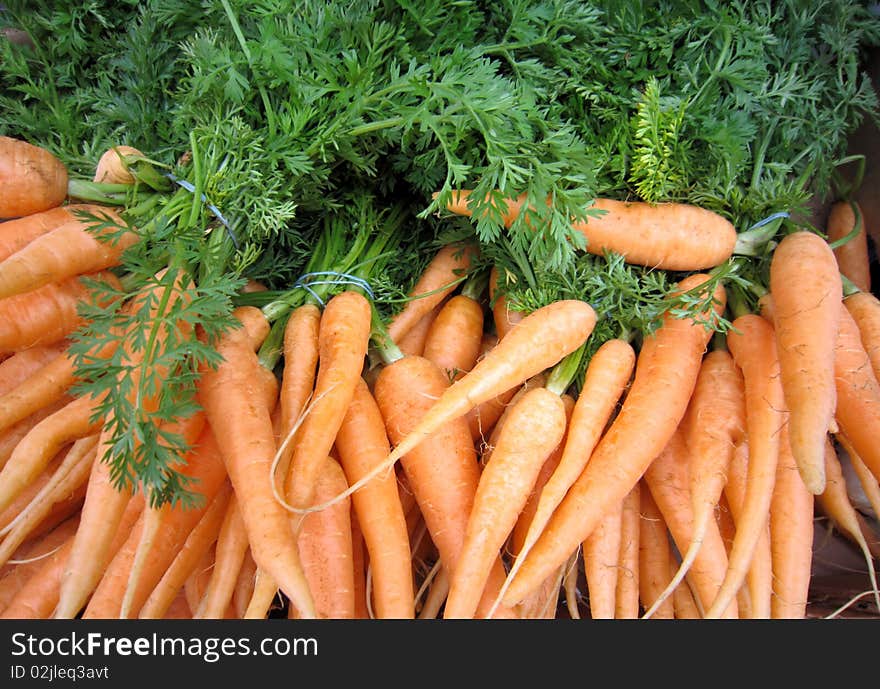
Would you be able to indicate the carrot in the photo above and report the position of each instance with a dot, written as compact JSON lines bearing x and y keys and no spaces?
{"x":454,"y":338}
{"x":806,"y":288}
{"x":233,"y":396}
{"x":852,"y":256}
{"x":791,"y":537}
{"x":343,"y":340}
{"x":23,"y":364}
{"x":325,"y":546}
{"x":361,"y":566}
{"x":16,"y":234}
{"x":112,"y":167}
{"x":753,"y":344}
{"x":38,"y":598}
{"x":866,"y":479}
{"x":413,"y":342}
{"x":482,"y":418}
{"x":858,"y":394}
{"x":535,"y":427}
{"x":32,"y":178}
{"x":835,"y":503}
{"x":683,"y":601}
{"x":197,"y":543}
{"x":244,"y":585}
{"x":262,"y":597}
{"x":48,"y":313}
{"x":759,"y":582}
{"x":668,"y":479}
{"x":654,"y":557}
{"x":570,"y":588}
{"x":864,"y":308}
{"x":361,"y":442}
{"x":601,"y":551}
{"x":727,"y":527}
{"x":197,"y":582}
{"x":503,"y":317}
{"x":231,"y":546}
{"x":665,"y":375}
{"x":65,"y":252}
{"x":713,"y":424}
{"x":605,"y":380}
{"x":438,"y":590}
{"x":437,"y":280}
{"x":627,"y":593}
{"x":442,"y":470}
{"x":668,"y":236}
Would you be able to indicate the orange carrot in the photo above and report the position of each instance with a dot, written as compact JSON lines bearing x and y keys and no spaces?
{"x":440,"y":277}
{"x":482,"y":418}
{"x":601,"y":551}
{"x":654,"y":557}
{"x":727,"y":527}
{"x":112,"y":167}
{"x":413,"y":342}
{"x":665,"y":375}
{"x":759,"y":580}
{"x":65,"y":252}
{"x":22,"y":365}
{"x":866,"y":480}
{"x":864,"y":308}
{"x":361,"y":442}
{"x":534,"y":428}
{"x":668,"y":236}
{"x":503,"y":317}
{"x":454,"y":338}
{"x":852,"y":256}
{"x":233,"y":396}
{"x":343,"y":340}
{"x":231,"y":546}
{"x":244,"y":585}
{"x":48,"y":313}
{"x":16,"y":234}
{"x":668,"y":479}
{"x":326,"y":550}
{"x":858,"y":394}
{"x":806,"y":288}
{"x":361,"y":565}
{"x":791,"y":537}
{"x":713,"y":424}
{"x":627,"y":593}
{"x":32,"y":178}
{"x":753,"y":345}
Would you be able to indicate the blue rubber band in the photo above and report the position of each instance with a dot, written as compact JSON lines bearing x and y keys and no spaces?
{"x":306,"y":280}
{"x":769,"y":219}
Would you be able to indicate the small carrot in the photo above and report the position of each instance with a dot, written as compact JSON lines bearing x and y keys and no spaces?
{"x":846,"y":220}
{"x":16,"y":234}
{"x":654,"y":557}
{"x":858,"y":394}
{"x":231,"y":546}
{"x":752,"y":342}
{"x":63,"y":253}
{"x":326,"y":548}
{"x":454,"y":338}
{"x":244,"y":585}
{"x":806,"y":288}
{"x":361,"y":442}
{"x":413,"y":342}
{"x":233,"y":396}
{"x":864,"y":307}
{"x":440,"y":277}
{"x":535,"y":427}
{"x":483,"y":417}
{"x":32,"y":178}
{"x":627,"y":594}
{"x":668,"y":236}
{"x":112,"y":167}
{"x":866,"y":479}
{"x":503,"y":317}
{"x":22,"y":365}
{"x":791,"y":537}
{"x":601,"y":552}
{"x":665,"y":375}
{"x":47,"y":314}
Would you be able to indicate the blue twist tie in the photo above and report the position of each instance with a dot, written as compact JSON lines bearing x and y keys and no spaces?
{"x":306,"y":280}
{"x":769,"y":219}
{"x":190,"y":187}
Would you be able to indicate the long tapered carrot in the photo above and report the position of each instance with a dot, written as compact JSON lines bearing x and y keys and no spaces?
{"x":626,"y":606}
{"x":232,"y":544}
{"x":727,"y":527}
{"x":343,"y":340}
{"x":670,"y":236}
{"x":806,"y":288}
{"x":605,"y":380}
{"x":852,"y":256}
{"x":361,"y":442}
{"x":668,"y":479}
{"x":234,"y":399}
{"x":363,"y":607}
{"x":753,"y":345}
{"x":22,"y":365}
{"x":759,"y":580}
{"x":713,"y":424}
{"x":791,"y":537}
{"x":65,"y":252}
{"x":440,"y":277}
{"x":442,"y":470}
{"x":47,"y":314}
{"x":244,"y":585}
{"x":413,"y":342}
{"x":858,"y":394}
{"x":453,"y":341}
{"x":198,"y":541}
{"x":16,"y":234}
{"x":12,"y":436}
{"x":654,"y":557}
{"x":665,"y":375}
{"x":864,"y":307}
{"x":326,"y":548}
{"x":32,"y":178}
{"x":535,"y":427}
{"x":601,"y":553}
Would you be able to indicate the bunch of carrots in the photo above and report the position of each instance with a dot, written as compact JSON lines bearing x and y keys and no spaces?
{"x":460,"y":460}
